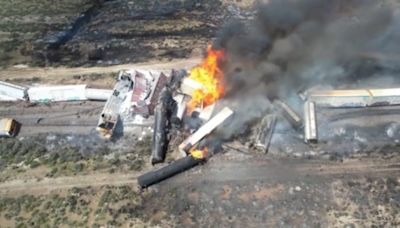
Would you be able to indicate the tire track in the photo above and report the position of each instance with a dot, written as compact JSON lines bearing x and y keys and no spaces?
{"x":220,"y":171}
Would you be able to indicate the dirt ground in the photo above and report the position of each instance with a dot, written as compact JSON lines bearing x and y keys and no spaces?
{"x":59,"y":173}
{"x":283,"y":193}
{"x":229,"y":192}
{"x":93,"y":32}
{"x":96,"y":77}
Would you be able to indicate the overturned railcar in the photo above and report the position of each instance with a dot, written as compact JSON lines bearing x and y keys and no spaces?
{"x":109,"y":117}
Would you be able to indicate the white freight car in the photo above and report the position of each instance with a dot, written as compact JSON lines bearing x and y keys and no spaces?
{"x":355,"y":98}
{"x":11,"y":92}
{"x":110,"y":115}
{"x":57,"y":93}
{"x":98,"y":94}
{"x":340,"y":98}
{"x":310,"y":123}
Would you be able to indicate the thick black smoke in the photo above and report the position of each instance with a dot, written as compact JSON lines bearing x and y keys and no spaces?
{"x":296,"y":44}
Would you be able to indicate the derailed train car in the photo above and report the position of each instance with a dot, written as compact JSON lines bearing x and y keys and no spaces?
{"x":109,"y":117}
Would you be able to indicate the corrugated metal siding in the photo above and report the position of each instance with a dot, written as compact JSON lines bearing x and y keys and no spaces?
{"x":160,"y":83}
{"x":10,"y":91}
{"x":57,"y":93}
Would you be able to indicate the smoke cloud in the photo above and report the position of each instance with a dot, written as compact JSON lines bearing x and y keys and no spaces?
{"x":291,"y":45}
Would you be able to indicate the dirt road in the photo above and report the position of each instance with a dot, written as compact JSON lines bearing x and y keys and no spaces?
{"x":46,"y":185}
{"x":63,"y":72}
{"x":221,"y":170}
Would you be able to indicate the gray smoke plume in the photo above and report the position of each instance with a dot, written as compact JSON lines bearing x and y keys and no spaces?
{"x":295,"y":44}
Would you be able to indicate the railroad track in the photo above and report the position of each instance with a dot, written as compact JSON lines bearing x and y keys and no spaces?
{"x":62,"y":111}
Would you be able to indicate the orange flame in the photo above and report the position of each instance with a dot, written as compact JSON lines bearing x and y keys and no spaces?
{"x":199,"y":154}
{"x":210,"y":76}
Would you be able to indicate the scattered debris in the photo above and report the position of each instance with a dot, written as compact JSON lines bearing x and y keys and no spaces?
{"x":204,"y":130}
{"x":355,"y":98}
{"x":310,"y":123}
{"x":140,"y":92}
{"x":302,"y":93}
{"x":168,"y":171}
{"x":181,"y":102}
{"x":290,"y":115}
{"x":110,"y":116}
{"x":163,"y":113}
{"x":207,"y":112}
{"x":265,"y":132}
{"x":9,"y":127}
{"x":185,"y":106}
{"x":159,"y":83}
{"x":189,"y":86}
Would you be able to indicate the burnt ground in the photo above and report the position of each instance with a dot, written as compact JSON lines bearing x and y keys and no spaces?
{"x":24,"y":23}
{"x":92,"y":32}
{"x":282,"y":193}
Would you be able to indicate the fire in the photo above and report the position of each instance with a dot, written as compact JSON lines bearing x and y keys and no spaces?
{"x":199,"y":154}
{"x":210,"y":76}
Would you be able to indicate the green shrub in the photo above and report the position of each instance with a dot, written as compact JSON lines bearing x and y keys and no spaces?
{"x":34,"y":164}
{"x":78,"y":167}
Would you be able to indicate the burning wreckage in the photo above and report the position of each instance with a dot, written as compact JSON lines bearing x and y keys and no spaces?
{"x":184,"y":110}
{"x":179,"y":105}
